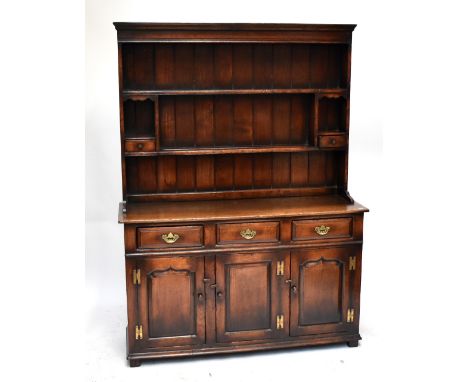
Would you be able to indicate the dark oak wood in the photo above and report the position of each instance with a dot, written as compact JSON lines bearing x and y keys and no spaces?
{"x":226,"y":150}
{"x":240,"y":233}
{"x":320,"y":290}
{"x":183,"y":236}
{"x":203,"y":33}
{"x":140,"y":145}
{"x":332,"y":141}
{"x":231,"y":233}
{"x":263,"y":208}
{"x":148,"y":94}
{"x":249,"y":296}
{"x":332,"y":229}
{"x":171,"y":302}
{"x":134,"y":362}
{"x":248,"y":346}
{"x":353,"y":343}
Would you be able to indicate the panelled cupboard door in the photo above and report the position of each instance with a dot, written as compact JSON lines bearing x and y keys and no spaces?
{"x":171,"y":301}
{"x":321,"y":290}
{"x":252,"y":300}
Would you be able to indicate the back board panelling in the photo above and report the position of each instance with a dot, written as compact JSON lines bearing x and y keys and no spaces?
{"x":139,"y":118}
{"x":181,"y":174}
{"x":237,"y":120}
{"x":238,"y":66}
{"x":138,"y":66}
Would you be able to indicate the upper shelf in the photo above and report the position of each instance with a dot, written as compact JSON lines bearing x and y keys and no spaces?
{"x":138,"y":94}
{"x":226,"y":150}
{"x":235,"y":66}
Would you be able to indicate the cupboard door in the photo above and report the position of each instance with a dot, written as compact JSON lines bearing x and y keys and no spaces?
{"x":171,"y":301}
{"x":321,"y":281}
{"x":251,"y":296}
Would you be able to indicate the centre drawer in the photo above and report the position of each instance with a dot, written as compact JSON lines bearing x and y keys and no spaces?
{"x":249,"y":232}
{"x":169,"y":237}
{"x":322,"y":229}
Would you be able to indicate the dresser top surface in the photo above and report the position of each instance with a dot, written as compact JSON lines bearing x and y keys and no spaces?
{"x":264,"y":208}
{"x":232,"y":26}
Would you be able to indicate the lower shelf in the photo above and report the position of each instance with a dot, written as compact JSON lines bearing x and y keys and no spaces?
{"x":351,"y":339}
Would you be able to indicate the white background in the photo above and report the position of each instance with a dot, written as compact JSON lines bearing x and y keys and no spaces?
{"x":407,"y":164}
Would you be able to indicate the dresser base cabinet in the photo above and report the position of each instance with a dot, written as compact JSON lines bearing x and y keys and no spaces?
{"x":240,"y":233}
{"x":251,"y":296}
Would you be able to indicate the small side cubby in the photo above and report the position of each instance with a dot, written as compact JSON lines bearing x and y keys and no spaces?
{"x":139,"y":118}
{"x":332,"y":114}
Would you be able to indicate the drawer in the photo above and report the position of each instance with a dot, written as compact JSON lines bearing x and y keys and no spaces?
{"x":246,"y":233}
{"x":332,"y":141}
{"x":169,"y":237}
{"x":322,"y":229}
{"x":140,"y":145}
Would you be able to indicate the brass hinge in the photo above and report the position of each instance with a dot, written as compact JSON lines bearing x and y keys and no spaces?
{"x":279,"y":321}
{"x":350,"y":317}
{"x":280,"y":268}
{"x":136,"y":277}
{"x":352,"y":263}
{"x":139,"y":332}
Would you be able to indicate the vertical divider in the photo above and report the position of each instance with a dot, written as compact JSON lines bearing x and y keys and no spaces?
{"x":344,"y":172}
{"x":344,"y":179}
{"x":315,"y":122}
{"x":348,"y":68}
{"x":122,"y":124}
{"x":347,"y":113}
{"x":156,"y":123}
{"x":290,"y":120}
{"x":231,"y":121}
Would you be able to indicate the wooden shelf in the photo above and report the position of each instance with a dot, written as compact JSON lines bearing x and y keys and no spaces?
{"x":226,"y":150}
{"x":203,"y":210}
{"x":332,"y":132}
{"x":148,"y":93}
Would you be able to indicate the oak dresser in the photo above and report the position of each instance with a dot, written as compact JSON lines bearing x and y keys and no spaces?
{"x":240,"y":233}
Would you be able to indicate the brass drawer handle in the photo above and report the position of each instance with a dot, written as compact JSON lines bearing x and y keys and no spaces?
{"x":170,"y":237}
{"x":322,"y":230}
{"x":248,"y":233}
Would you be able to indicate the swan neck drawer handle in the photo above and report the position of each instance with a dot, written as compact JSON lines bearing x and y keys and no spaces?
{"x":322,"y":230}
{"x":248,"y":233}
{"x":170,"y":237}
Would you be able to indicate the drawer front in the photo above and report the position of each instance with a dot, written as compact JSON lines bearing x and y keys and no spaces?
{"x":322,"y":229}
{"x":246,"y":233}
{"x":140,"y":145}
{"x":332,"y":141}
{"x":169,"y":237}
